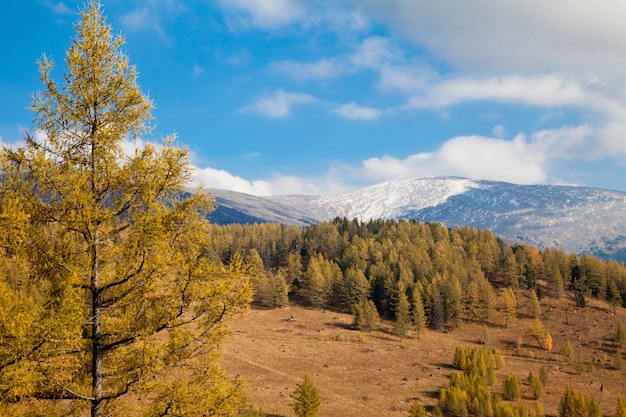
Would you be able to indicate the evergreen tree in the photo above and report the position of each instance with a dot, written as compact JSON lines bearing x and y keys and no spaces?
{"x":534,"y":308}
{"x":543,"y":375}
{"x":535,"y":386}
{"x":511,"y":388}
{"x":620,"y":408}
{"x":278,"y":291}
{"x":419,"y":316}
{"x":510,"y":306}
{"x":317,"y":284}
{"x":402,"y":313}
{"x":573,"y":404}
{"x":620,"y":335}
{"x":471,"y":300}
{"x":618,"y":363}
{"x":357,"y":286}
{"x":306,"y":398}
{"x":556,"y":285}
{"x":365,"y":316}
{"x":614,"y":296}
{"x":123,"y":295}
{"x":258,"y":277}
{"x":417,"y":409}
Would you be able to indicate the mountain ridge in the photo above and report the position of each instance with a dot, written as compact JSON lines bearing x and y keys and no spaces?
{"x":577,"y":219}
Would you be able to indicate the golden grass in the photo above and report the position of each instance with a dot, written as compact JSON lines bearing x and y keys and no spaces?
{"x":377,"y":374}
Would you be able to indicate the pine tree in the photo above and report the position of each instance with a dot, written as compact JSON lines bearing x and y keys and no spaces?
{"x":317,"y":285}
{"x":365,"y":316}
{"x":534,"y":308}
{"x":535,"y":385}
{"x":573,"y":404}
{"x":419,"y":316}
{"x":620,"y":408}
{"x":543,"y":375}
{"x":307,"y":399}
{"x":619,"y":360}
{"x":417,"y":409}
{"x":122,"y":293}
{"x":510,"y":306}
{"x":258,"y":277}
{"x":357,"y":286}
{"x":402,"y":313}
{"x":620,"y":335}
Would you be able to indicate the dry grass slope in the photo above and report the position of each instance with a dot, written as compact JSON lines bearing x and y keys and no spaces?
{"x":377,"y":374}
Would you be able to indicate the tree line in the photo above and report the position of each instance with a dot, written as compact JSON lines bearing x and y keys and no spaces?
{"x":403,"y":267}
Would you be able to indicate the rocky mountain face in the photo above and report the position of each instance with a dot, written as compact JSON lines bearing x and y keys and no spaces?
{"x":577,"y":219}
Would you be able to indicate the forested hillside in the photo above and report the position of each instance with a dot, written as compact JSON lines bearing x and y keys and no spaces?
{"x":456,"y":273}
{"x":407,"y":277}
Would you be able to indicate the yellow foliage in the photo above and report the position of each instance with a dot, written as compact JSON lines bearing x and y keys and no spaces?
{"x":108,"y":295}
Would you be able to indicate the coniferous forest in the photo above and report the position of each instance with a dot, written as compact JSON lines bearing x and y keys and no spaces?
{"x":116,"y":293}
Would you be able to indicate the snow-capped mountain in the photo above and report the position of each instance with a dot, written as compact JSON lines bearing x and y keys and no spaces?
{"x":578,"y":219}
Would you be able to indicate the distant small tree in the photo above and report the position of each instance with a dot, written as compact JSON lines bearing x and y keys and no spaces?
{"x":614,"y":296}
{"x":547,"y":341}
{"x":419,"y":316}
{"x":510,"y":306}
{"x":401,"y":310}
{"x":538,"y":332}
{"x":417,"y":409}
{"x":573,"y":404}
{"x":484,"y":338}
{"x":365,"y":315}
{"x":534,"y":308}
{"x":535,"y":386}
{"x":512,"y":388}
{"x":620,"y":409}
{"x":619,"y":360}
{"x":537,"y":411}
{"x":307,"y":399}
{"x":620,"y":335}
{"x":543,"y":375}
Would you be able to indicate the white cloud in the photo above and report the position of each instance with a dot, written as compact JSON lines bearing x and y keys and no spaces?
{"x":278,"y":104}
{"x":498,"y":131}
{"x":352,"y":111}
{"x":266,"y":14}
{"x":530,"y":35}
{"x":197,"y":70}
{"x":326,"y":68}
{"x":549,"y":90}
{"x":137,"y":20}
{"x":276,"y":185}
{"x":58,"y":7}
{"x":517,"y":160}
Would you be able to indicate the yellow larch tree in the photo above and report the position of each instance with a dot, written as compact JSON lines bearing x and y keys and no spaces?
{"x":110,"y":306}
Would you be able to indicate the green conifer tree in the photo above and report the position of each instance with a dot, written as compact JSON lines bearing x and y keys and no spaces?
{"x":510,"y":306}
{"x":543,"y":375}
{"x":306,"y":398}
{"x":534,"y":308}
{"x":620,"y":335}
{"x":419,"y":316}
{"x":417,"y":409}
{"x":401,"y":310}
{"x":620,"y":409}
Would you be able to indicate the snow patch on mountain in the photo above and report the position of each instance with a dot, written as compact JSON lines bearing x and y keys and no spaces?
{"x":577,"y":219}
{"x":388,"y":200}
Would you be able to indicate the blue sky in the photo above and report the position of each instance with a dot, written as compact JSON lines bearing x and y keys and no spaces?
{"x":323,"y":96}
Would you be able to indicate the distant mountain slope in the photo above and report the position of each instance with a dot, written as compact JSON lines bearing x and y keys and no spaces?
{"x":578,"y":219}
{"x":234,"y":207}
